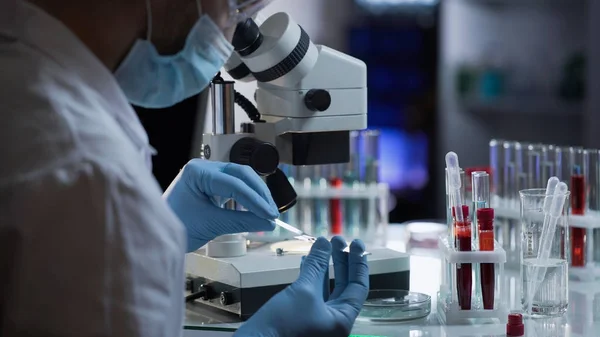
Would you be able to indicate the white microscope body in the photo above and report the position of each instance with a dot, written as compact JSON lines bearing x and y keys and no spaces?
{"x":308,"y":99}
{"x":303,"y":89}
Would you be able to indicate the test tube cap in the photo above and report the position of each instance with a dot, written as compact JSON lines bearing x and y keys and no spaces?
{"x":485,"y":218}
{"x":515,"y":326}
{"x":465,"y":210}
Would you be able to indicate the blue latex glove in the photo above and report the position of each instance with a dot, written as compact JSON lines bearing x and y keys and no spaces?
{"x":199,"y":191}
{"x":301,"y":310}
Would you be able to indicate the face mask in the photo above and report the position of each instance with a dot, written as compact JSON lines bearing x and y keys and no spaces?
{"x":154,"y":81}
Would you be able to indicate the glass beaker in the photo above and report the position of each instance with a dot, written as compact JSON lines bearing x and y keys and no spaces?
{"x":544,"y":290}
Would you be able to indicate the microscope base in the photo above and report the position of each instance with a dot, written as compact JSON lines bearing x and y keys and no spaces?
{"x":241,"y":285}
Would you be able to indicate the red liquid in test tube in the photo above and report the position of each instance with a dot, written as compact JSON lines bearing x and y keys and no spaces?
{"x":578,"y":208}
{"x":485,"y":221}
{"x":464,"y":276}
{"x":335,"y":209}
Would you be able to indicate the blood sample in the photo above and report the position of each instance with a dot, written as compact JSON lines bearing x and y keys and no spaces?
{"x":485,"y":221}
{"x":464,"y":270}
{"x":577,"y":208}
{"x":335,"y":209}
{"x":465,"y":209}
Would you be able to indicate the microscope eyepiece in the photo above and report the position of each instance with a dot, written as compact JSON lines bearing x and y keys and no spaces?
{"x":247,"y":37}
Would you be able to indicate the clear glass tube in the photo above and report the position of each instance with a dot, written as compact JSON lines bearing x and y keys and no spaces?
{"x":591,"y":166}
{"x":449,"y":220}
{"x":562,"y":164}
{"x":519,"y":164}
{"x":481,"y":196}
{"x":371,"y":155}
{"x":353,"y":165}
{"x":591,"y":170}
{"x":351,"y":177}
{"x":548,"y":162}
{"x":321,"y":221}
{"x":513,"y":165}
{"x":552,"y":295}
{"x":534,"y":166}
{"x":496,"y":166}
{"x":481,"y":199}
{"x":371,"y":208}
{"x":305,"y":206}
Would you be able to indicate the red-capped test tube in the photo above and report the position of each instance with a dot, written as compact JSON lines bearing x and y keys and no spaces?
{"x":455,"y":223}
{"x":578,"y":199}
{"x":464,"y":278}
{"x":335,"y":208}
{"x":485,"y":221}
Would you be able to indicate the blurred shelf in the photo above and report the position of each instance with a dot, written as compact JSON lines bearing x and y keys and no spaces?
{"x":361,"y":191}
{"x":525,"y":106}
{"x":589,"y":221}
{"x":531,"y":2}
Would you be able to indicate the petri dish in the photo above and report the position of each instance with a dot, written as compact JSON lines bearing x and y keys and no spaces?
{"x":388,"y":306}
{"x":425,"y":233}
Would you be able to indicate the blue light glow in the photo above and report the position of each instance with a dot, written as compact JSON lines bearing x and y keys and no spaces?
{"x":403,"y":162}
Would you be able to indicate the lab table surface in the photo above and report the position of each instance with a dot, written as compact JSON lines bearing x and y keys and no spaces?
{"x":425,"y":277}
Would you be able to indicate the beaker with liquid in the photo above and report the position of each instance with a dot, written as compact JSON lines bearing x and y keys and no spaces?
{"x":544,"y":281}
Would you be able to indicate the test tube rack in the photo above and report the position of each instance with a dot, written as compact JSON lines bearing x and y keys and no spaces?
{"x":589,"y":221}
{"x":376,"y":196}
{"x":448,"y":308}
{"x":584,"y":308}
{"x":517,"y":165}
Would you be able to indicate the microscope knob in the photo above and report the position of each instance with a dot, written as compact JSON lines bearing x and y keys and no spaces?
{"x":317,"y":100}
{"x":261,"y":156}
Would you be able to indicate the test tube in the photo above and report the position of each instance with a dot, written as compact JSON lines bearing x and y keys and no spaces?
{"x":371,"y":145}
{"x":321,"y":206}
{"x":481,"y":196}
{"x":562,"y":164}
{"x":577,"y":181}
{"x":496,"y":165}
{"x":481,"y":199}
{"x":511,"y":169}
{"x":449,"y":219}
{"x":591,"y":166}
{"x":591,"y":171}
{"x":548,"y":162}
{"x":336,"y":209}
{"x":534,"y":166}
{"x":578,"y":199}
{"x":305,"y":205}
{"x":351,"y":179}
{"x":371,"y":155}
{"x":519,"y":159}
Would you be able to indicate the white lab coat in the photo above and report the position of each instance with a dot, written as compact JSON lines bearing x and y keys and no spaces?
{"x":94,"y":249}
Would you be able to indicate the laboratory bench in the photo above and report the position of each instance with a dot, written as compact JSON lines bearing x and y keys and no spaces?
{"x":582,"y":319}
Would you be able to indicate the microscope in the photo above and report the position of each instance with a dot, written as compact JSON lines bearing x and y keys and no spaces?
{"x":308,"y":99}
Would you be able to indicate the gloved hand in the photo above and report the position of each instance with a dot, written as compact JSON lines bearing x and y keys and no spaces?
{"x":202,"y":187}
{"x":301,"y":310}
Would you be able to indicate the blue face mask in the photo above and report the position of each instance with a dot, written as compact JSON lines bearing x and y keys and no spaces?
{"x":154,"y":81}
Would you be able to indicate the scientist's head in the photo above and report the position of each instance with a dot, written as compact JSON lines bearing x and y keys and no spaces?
{"x":161,"y":51}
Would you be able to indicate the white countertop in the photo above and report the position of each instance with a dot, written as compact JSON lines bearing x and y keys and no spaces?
{"x":425,"y":277}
